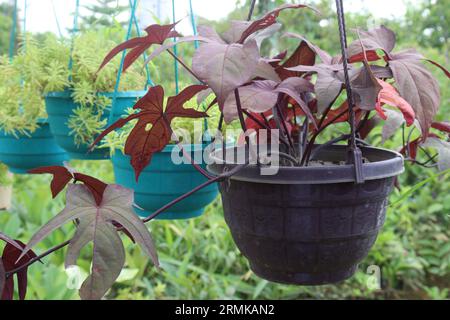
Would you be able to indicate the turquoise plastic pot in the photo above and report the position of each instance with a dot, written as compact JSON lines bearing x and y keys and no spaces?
{"x":60,"y":107}
{"x":23,"y":153}
{"x":163,"y":181}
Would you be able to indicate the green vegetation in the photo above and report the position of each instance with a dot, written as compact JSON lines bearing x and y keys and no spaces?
{"x":42,"y":66}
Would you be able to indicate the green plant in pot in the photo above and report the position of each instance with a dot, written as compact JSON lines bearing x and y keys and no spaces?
{"x":301,"y":212}
{"x":79,"y":101}
{"x":25,"y":138}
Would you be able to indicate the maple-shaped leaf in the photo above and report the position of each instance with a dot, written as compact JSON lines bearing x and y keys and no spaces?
{"x":261,"y":96}
{"x":10,"y":260}
{"x":96,"y":226}
{"x":366,"y":88}
{"x":224,"y":67}
{"x":417,"y":86}
{"x":156,"y":34}
{"x":143,"y":142}
{"x":268,"y":20}
{"x":381,"y":38}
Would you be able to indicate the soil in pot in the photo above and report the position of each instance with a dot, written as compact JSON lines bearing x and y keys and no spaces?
{"x":60,"y":107}
{"x":26,"y":152}
{"x":309,"y":225}
{"x":163,"y":181}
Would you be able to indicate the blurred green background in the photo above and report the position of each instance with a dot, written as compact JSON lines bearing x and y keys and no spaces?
{"x":199,"y":258}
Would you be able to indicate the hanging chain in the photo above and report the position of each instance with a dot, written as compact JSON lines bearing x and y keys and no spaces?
{"x":354,"y":153}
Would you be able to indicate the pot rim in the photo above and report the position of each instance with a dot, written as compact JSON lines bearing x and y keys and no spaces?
{"x":383,"y":163}
{"x":120,"y":94}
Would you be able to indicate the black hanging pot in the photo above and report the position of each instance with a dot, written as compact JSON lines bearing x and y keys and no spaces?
{"x":308,"y":225}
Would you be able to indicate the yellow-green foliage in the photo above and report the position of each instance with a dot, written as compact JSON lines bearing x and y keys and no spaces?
{"x":42,"y":66}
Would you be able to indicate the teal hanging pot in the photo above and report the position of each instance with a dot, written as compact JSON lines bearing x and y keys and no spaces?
{"x":26,"y":152}
{"x":163,"y":181}
{"x":60,"y":107}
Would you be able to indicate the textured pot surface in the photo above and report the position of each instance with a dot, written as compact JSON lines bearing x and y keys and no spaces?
{"x":163,"y":181}
{"x":302,"y":233}
{"x":23,"y":152}
{"x":60,"y":107}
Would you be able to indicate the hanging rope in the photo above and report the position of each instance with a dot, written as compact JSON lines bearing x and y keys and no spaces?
{"x":24,"y":25}
{"x":12,"y":37}
{"x":175,"y":52}
{"x":196,"y":45}
{"x":147,"y":70}
{"x":56,"y":19}
{"x":74,"y":31}
{"x":355,"y":155}
{"x":122,"y":61}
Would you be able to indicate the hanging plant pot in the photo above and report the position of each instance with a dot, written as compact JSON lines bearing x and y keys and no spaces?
{"x":60,"y":107}
{"x":308,"y":225}
{"x":163,"y":181}
{"x":24,"y":152}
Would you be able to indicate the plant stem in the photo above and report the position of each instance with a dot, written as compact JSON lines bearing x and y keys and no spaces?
{"x":46,"y":253}
{"x":185,"y":66}
{"x":318,"y":132}
{"x":199,"y":187}
{"x":155,"y":214}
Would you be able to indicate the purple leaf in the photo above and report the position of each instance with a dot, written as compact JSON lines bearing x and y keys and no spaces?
{"x":257,"y":97}
{"x":225,"y":67}
{"x":417,"y":86}
{"x":380,"y":38}
{"x":97,"y":226}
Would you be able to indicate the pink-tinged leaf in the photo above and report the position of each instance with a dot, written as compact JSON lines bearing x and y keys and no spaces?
{"x":61,"y":177}
{"x":266,"y":71}
{"x":209,"y":33}
{"x":108,"y":256}
{"x":96,"y":226}
{"x":268,"y":19}
{"x":389,"y":95}
{"x":380,"y":38}
{"x":156,"y":34}
{"x":292,"y":87}
{"x":441,"y":126}
{"x":365,"y":88}
{"x":443,"y":149}
{"x":10,"y":259}
{"x":417,"y":86}
{"x":257,"y":97}
{"x":226,"y":67}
